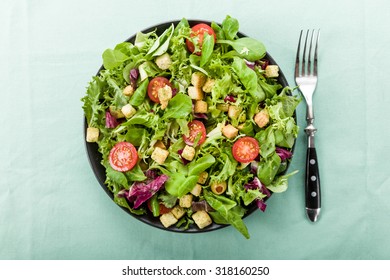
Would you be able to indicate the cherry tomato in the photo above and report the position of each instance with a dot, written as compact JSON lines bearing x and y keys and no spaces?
{"x":245,"y":149}
{"x":154,"y":85}
{"x":163,"y":208}
{"x":123,"y":156}
{"x":196,"y":127}
{"x":198,"y":31}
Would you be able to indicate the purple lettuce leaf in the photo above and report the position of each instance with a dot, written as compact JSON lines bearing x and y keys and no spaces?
{"x":283,"y":153}
{"x":111,"y":121}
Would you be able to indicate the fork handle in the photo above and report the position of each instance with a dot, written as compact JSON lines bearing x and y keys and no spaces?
{"x":312,"y":186}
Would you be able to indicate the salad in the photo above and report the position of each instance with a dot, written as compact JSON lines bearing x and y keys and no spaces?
{"x":192,"y":124}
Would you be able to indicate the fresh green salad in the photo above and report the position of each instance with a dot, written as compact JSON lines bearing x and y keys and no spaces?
{"x":192,"y":124}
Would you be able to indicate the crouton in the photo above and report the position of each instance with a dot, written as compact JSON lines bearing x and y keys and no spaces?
{"x":218,"y":187}
{"x":208,"y":85}
{"x":203,"y":177}
{"x":272,"y":71}
{"x":262,"y":118}
{"x":201,"y":219}
{"x":178,"y":211}
{"x":198,"y":79}
{"x":196,"y":190}
{"x":234,"y":111}
{"x":229,"y":131}
{"x":185,"y":201}
{"x":200,"y":106}
{"x":164,"y":61}
{"x":168,"y":219}
{"x":159,"y":155}
{"x":195,"y":93}
{"x":128,"y":111}
{"x":188,"y":153}
{"x":92,"y":134}
{"x":164,"y":95}
{"x":160,"y":144}
{"x":128,"y":91}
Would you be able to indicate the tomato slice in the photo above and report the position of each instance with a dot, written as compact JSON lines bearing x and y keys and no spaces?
{"x":123,"y":156}
{"x":154,"y":85}
{"x":196,"y":127}
{"x":198,"y":31}
{"x":245,"y":149}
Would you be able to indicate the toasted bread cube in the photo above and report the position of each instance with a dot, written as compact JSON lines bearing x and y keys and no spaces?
{"x":201,"y":219}
{"x":164,"y":95}
{"x":92,"y":134}
{"x":200,"y":106}
{"x":234,"y":111}
{"x":272,"y":71}
{"x":196,"y":190}
{"x":203,"y":177}
{"x":208,"y":85}
{"x":168,"y":219}
{"x":188,"y":153}
{"x":160,"y":144}
{"x":229,"y":131}
{"x":262,"y":118}
{"x":116,"y":112}
{"x":224,"y":107}
{"x":128,"y":91}
{"x":195,"y":93}
{"x":164,"y":61}
{"x":128,"y":111}
{"x":185,"y":201}
{"x":178,"y":211}
{"x":159,"y":155}
{"x":198,"y":79}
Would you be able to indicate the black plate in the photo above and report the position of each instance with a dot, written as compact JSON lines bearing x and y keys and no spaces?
{"x":95,"y":156}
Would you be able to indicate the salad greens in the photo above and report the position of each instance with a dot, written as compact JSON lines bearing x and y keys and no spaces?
{"x":237,"y":95}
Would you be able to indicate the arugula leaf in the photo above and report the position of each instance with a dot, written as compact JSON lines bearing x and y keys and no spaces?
{"x":178,"y":184}
{"x":200,"y":165}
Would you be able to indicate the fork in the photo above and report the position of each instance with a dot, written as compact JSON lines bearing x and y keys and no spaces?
{"x":306,"y":77}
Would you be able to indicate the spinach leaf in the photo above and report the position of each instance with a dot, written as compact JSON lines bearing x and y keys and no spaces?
{"x":230,"y":27}
{"x":113,"y":58}
{"x":223,"y":206}
{"x":161,"y":45}
{"x":139,"y":95}
{"x":247,"y":48}
{"x":180,"y":106}
{"x":178,"y":184}
{"x":266,"y":139}
{"x":207,"y":49}
{"x":200,"y":165}
{"x":268,"y":168}
{"x":136,"y":174}
{"x":248,"y":78}
{"x":281,"y":183}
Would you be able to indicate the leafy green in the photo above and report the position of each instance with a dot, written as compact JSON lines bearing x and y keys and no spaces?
{"x":178,"y":107}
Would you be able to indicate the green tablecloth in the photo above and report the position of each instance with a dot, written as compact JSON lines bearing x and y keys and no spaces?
{"x":51,"y":205}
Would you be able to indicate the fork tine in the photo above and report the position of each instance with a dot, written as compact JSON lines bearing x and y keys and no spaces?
{"x":315,"y":54}
{"x":304,"y":55}
{"x":298,"y":53}
{"x":310,"y":53}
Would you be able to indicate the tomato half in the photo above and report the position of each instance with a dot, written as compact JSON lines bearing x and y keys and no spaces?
{"x":198,"y":31}
{"x":163,"y":208}
{"x":154,"y":85}
{"x":123,"y":156}
{"x":196,"y":127}
{"x":245,"y":149}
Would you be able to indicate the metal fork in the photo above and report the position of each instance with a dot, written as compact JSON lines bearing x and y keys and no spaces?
{"x":306,"y":77}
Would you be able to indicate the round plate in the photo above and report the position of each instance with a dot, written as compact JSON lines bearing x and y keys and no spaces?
{"x":95,"y":156}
